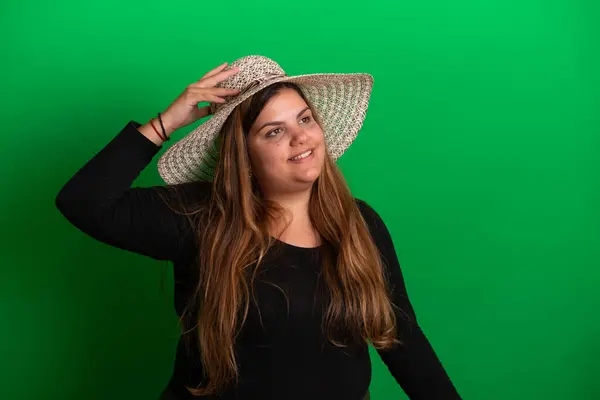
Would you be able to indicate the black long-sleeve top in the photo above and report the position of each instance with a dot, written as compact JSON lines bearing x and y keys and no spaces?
{"x":284,"y":356}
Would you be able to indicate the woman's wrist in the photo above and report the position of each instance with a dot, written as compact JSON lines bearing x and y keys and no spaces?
{"x":166,"y":123}
{"x":148,"y":131}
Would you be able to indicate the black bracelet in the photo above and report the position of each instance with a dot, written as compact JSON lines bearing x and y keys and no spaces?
{"x":163,"y":128}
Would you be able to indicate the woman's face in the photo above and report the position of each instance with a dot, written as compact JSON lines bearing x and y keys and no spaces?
{"x":286,"y":145}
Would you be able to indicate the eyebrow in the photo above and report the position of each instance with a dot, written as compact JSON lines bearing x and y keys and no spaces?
{"x":280,"y":122}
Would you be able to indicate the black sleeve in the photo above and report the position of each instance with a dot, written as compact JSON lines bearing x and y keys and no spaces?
{"x":100,"y":201}
{"x":413,"y":363}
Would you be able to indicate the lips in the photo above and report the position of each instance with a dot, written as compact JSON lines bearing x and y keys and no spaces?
{"x":302,"y":155}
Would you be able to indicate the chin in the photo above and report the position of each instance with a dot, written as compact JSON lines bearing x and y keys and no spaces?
{"x":309,"y":177}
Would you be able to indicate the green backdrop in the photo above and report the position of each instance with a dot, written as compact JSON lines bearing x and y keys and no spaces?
{"x":480,"y":150}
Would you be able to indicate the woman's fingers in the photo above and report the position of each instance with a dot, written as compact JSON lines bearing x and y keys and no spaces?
{"x":211,"y":98}
{"x":214,"y":71}
{"x":212,"y":94}
{"x":225,"y":91}
{"x":218,"y":77}
{"x":215,"y":90}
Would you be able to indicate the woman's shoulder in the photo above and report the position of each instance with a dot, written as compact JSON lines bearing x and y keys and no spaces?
{"x":375,"y":222}
{"x":368,"y":212}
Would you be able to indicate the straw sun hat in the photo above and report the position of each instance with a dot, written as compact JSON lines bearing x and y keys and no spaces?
{"x":340,"y":101}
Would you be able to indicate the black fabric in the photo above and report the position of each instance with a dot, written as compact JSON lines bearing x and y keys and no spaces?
{"x":282,"y":352}
{"x":168,"y":395}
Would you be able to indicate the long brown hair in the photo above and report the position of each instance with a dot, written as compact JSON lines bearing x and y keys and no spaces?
{"x":232,"y":229}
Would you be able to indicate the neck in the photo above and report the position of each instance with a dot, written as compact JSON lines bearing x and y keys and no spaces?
{"x":296,"y":204}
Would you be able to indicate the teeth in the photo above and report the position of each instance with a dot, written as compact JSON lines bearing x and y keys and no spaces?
{"x":301,"y":156}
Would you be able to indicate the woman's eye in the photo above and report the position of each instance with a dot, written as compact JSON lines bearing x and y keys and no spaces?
{"x":271,"y":134}
{"x":275,"y":131}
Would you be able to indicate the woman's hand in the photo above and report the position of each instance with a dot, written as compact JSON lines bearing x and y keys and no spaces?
{"x":184,"y":110}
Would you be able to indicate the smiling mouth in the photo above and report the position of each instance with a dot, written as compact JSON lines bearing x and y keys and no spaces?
{"x":302,"y":156}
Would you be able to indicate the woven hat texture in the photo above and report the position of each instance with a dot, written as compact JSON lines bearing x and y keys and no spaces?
{"x":340,"y":101}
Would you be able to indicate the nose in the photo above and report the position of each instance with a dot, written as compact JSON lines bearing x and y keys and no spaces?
{"x":298,"y":136}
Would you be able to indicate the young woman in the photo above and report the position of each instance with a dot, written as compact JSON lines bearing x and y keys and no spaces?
{"x":282,"y":277}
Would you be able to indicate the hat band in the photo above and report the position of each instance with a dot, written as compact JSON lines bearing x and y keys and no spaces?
{"x":257,"y":82}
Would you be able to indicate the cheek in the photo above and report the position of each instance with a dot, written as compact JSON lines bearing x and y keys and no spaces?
{"x":318,"y":134}
{"x":266,"y":157}
{"x":320,"y":140}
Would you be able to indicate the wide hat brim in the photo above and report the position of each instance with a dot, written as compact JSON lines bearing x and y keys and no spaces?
{"x":340,"y":100}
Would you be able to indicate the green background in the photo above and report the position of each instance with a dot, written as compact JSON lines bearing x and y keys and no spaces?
{"x":480,"y":150}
